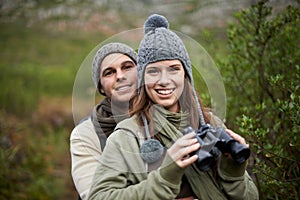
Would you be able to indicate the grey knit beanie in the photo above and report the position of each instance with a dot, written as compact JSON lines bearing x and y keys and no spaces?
{"x":160,"y":43}
{"x":104,"y":51}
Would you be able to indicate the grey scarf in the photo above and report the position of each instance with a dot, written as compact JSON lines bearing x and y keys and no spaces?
{"x":105,"y":121}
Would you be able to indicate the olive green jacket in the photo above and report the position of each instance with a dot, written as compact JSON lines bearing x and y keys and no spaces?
{"x":123,"y":174}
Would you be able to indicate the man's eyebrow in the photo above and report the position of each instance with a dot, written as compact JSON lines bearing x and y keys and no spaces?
{"x":127,"y":62}
{"x":122,"y":64}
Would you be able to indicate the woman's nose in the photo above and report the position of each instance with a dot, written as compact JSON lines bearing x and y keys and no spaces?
{"x":164,"y":78}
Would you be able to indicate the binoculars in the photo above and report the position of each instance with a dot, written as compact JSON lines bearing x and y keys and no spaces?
{"x":223,"y":143}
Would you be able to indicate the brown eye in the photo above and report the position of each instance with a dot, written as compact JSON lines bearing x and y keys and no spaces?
{"x":128,"y":67}
{"x":174,"y":68}
{"x":152,"y":71}
{"x":108,"y":72}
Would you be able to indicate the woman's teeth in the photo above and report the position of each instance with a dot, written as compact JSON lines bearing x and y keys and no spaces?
{"x":165,"y":92}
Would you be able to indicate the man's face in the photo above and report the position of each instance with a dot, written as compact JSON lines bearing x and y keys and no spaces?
{"x":164,"y":82}
{"x":118,"y":76}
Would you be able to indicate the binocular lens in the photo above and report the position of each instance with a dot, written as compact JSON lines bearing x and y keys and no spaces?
{"x":205,"y":160}
{"x":239,"y":152}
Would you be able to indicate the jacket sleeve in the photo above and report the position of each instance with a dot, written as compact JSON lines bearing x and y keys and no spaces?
{"x":85,"y":153}
{"x":122,"y":173}
{"x":235,"y":181}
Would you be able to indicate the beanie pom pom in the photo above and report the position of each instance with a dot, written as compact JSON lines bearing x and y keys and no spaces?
{"x":151,"y":151}
{"x":155,"y":21}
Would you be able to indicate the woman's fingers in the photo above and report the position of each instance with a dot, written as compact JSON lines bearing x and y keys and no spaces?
{"x":187,"y":161}
{"x":237,"y":137}
{"x":180,"y":151}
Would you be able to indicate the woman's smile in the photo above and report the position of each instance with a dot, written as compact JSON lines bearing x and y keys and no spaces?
{"x":165,"y":92}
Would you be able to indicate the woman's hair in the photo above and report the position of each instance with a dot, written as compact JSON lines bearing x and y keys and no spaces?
{"x":143,"y":105}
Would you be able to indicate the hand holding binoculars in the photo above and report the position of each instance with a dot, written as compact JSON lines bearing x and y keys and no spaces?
{"x":224,"y":143}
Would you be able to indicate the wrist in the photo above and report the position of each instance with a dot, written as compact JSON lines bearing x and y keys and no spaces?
{"x":170,"y":171}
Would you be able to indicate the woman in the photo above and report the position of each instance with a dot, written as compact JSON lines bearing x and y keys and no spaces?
{"x":115,"y":76}
{"x":147,"y":156}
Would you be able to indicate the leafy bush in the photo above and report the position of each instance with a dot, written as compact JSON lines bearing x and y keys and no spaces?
{"x":31,"y":159}
{"x":264,"y":82}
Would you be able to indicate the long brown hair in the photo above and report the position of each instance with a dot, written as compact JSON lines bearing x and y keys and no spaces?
{"x":143,"y":105}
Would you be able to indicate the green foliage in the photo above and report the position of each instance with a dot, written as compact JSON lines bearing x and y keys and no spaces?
{"x":264,"y":83}
{"x":29,"y":166}
{"x":20,"y":89}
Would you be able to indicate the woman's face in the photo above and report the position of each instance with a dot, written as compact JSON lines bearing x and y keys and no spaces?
{"x":164,"y":83}
{"x":118,"y":76}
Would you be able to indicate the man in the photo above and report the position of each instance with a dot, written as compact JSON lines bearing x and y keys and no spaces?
{"x":114,"y":73}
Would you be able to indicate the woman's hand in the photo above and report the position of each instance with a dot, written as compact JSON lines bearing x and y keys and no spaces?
{"x":182,"y":148}
{"x":237,"y":137}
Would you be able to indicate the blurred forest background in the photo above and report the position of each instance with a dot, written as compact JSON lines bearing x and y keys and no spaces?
{"x":255,"y":45}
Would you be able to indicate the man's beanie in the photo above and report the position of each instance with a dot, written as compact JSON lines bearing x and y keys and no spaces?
{"x":160,"y":43}
{"x":105,"y":51}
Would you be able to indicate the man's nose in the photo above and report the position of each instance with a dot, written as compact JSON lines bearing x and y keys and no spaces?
{"x":120,"y":75}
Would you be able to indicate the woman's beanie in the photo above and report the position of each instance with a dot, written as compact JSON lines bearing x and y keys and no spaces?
{"x":160,"y":43}
{"x":104,"y":51}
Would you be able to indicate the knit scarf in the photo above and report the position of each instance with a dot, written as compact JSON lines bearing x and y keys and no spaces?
{"x":169,"y":127}
{"x":105,"y":120}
